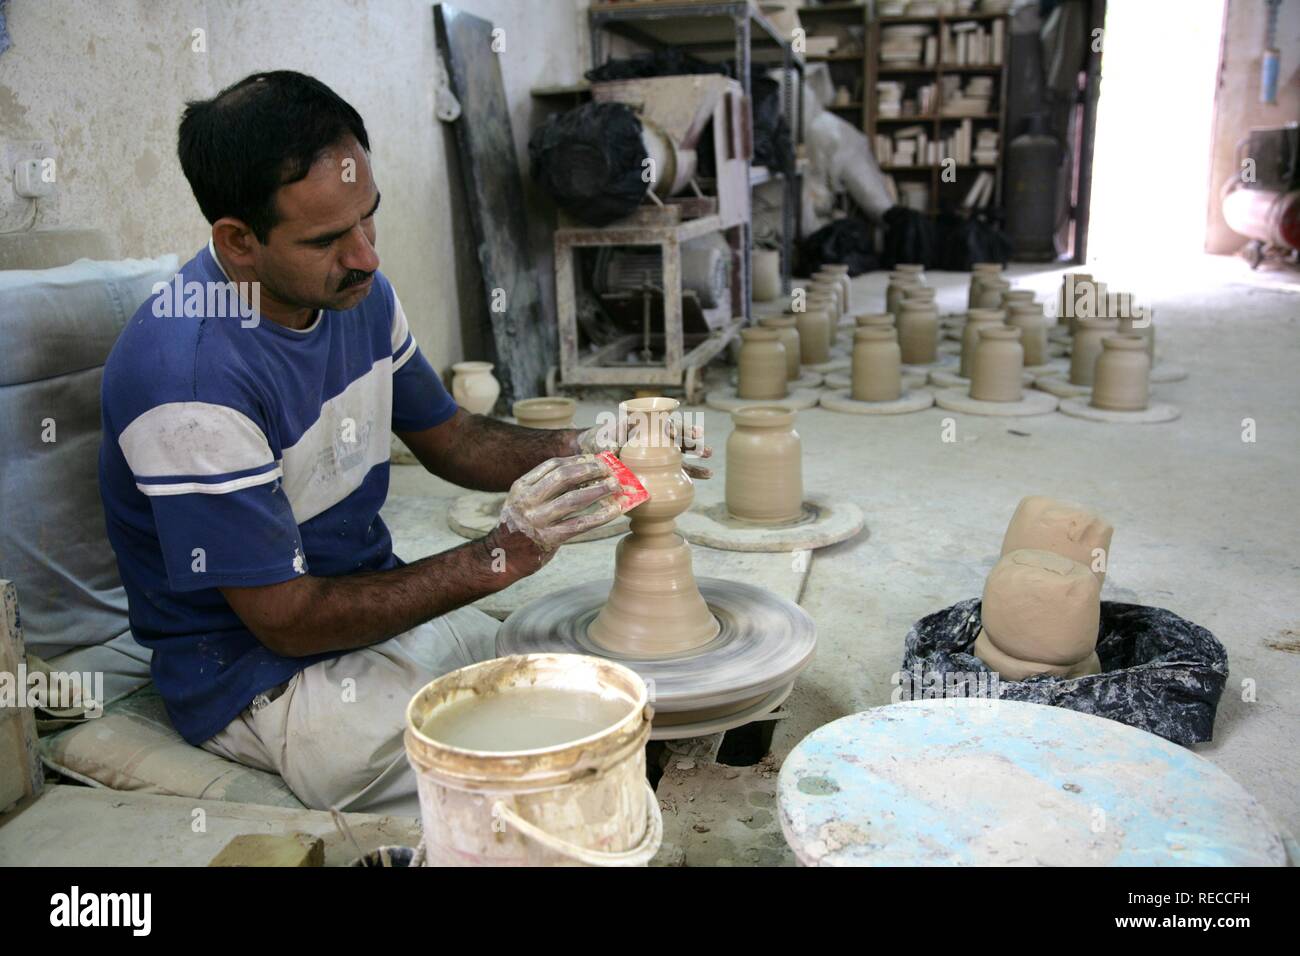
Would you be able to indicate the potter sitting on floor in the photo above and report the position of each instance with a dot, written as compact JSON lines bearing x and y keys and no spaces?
{"x":245,"y":461}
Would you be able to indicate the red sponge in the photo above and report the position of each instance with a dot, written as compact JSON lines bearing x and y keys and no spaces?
{"x":631,"y":492}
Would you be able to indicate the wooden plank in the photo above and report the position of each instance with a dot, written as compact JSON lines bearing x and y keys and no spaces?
{"x":524,"y":343}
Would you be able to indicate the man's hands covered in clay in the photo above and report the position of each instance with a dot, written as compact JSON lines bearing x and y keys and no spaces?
{"x":541,"y":512}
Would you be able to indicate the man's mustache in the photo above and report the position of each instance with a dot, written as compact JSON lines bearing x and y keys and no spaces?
{"x":354,"y":277}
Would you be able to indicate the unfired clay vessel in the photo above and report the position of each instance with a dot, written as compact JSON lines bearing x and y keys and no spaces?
{"x":545,"y":412}
{"x":789,"y":335}
{"x":766,"y":274}
{"x":1129,"y":326}
{"x":911,"y":269}
{"x":828,"y":288}
{"x":999,"y":361}
{"x":654,"y":608}
{"x":1040,"y":614}
{"x":764,"y":465}
{"x":876,"y":372}
{"x":990,"y":293}
{"x":474,"y":387}
{"x":898,"y":284}
{"x":1029,"y":319}
{"x":1062,"y":527}
{"x":978,"y":273}
{"x":870,"y":320}
{"x":814,"y":335}
{"x":1065,"y":303}
{"x":840,"y":275}
{"x":1122,"y":376}
{"x":1087,"y":348}
{"x":918,"y":332}
{"x":1015,"y":296}
{"x":762,"y":365}
{"x":975,"y":320}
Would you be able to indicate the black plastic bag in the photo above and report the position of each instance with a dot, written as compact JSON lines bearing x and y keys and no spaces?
{"x":589,"y":160}
{"x":846,"y":242}
{"x":910,"y":236}
{"x":1160,"y":673}
{"x":967,"y":240}
{"x":670,"y":61}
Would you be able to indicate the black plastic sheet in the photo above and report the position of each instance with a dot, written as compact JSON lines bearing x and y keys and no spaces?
{"x":1160,"y":673}
{"x":846,"y":241}
{"x":589,"y":160}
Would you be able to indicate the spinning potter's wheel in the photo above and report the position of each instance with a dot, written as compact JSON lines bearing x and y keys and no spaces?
{"x":764,"y":641}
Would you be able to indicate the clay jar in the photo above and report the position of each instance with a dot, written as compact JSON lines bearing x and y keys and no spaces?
{"x":789,"y":336}
{"x":814,"y":335}
{"x":1129,"y":326}
{"x":871,"y":320}
{"x":1016,"y":296}
{"x":975,"y":318}
{"x":876,"y":372}
{"x":1087,"y":348}
{"x":1029,"y":319}
{"x":990,"y":293}
{"x":474,"y":387}
{"x":920,"y":293}
{"x":654,"y":608}
{"x":911,"y":269}
{"x":828,"y":289}
{"x":979,"y":272}
{"x":999,"y":360}
{"x":840,"y":274}
{"x":1122,"y":377}
{"x":1062,"y":527}
{"x":545,"y":412}
{"x":764,"y":466}
{"x":766,"y":274}
{"x":762,"y":365}
{"x":1070,"y":285}
{"x":1089,"y":303}
{"x":899,"y":283}
{"x":1040,"y":614}
{"x":918,"y":332}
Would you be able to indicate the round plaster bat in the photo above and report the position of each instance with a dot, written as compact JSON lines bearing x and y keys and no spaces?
{"x":1062,"y":527}
{"x":1039,"y":606}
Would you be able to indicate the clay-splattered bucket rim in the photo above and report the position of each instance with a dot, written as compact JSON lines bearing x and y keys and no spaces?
{"x":542,"y":767}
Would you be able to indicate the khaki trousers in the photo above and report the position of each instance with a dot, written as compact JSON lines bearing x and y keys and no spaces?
{"x":334,"y":731}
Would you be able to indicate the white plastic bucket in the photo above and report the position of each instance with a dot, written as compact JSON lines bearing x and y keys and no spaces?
{"x":582,"y":802}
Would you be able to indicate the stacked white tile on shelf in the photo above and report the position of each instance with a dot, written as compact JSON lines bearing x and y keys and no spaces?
{"x":999,"y":40}
{"x":915,"y":195}
{"x":986,"y":147}
{"x":903,"y":44}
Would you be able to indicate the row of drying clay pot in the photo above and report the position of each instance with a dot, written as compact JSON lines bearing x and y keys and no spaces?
{"x":1112,"y":351}
{"x":1041,"y":608}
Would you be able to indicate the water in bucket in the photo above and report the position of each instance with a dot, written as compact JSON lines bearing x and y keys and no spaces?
{"x":523,"y":718}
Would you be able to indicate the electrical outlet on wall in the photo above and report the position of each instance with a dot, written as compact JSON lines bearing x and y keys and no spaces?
{"x":29,"y":173}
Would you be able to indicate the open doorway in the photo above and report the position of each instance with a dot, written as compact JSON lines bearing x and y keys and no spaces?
{"x":1151,"y":159}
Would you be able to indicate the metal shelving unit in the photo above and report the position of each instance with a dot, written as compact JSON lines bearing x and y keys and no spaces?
{"x":723,"y":30}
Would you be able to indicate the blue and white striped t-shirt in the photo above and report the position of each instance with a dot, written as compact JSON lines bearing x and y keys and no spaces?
{"x":242,"y":453}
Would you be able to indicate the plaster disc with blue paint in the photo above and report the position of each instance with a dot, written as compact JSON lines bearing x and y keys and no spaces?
{"x":980,"y":782}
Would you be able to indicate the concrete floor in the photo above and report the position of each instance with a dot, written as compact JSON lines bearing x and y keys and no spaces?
{"x":1206,"y":525}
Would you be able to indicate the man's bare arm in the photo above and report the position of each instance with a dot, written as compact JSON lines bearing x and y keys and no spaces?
{"x":556,"y":501}
{"x":314,"y":615}
{"x":478,"y":452}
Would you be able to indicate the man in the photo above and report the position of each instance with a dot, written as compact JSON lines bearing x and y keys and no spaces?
{"x":244,"y":464}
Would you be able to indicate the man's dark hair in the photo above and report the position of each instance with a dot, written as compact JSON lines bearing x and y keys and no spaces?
{"x":262,"y":133}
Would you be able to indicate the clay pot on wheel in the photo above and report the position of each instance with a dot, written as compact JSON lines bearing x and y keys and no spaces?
{"x":1122,"y":375}
{"x":789,"y":335}
{"x":990,"y":293}
{"x":1087,"y":348}
{"x":764,"y":465}
{"x":876,"y":373}
{"x":975,"y":320}
{"x":1029,"y":319}
{"x":762,"y":365}
{"x":979,"y":272}
{"x":655,"y":608}
{"x":918,"y":332}
{"x":474,"y":387}
{"x":814,"y":336}
{"x":999,"y":360}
